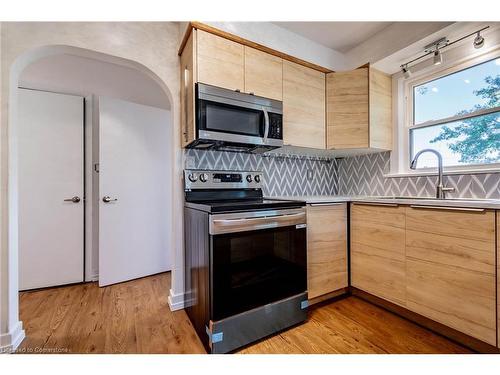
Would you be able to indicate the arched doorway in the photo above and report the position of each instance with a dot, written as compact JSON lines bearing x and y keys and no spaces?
{"x":22,"y":65}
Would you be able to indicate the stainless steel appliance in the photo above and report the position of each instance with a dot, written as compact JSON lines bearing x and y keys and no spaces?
{"x":245,"y":265}
{"x":229,"y":120}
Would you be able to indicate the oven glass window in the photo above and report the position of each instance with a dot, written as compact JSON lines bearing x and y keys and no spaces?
{"x":251,"y":269}
{"x":231,"y":119}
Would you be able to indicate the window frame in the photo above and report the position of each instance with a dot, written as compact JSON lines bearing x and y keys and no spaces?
{"x":408,"y":122}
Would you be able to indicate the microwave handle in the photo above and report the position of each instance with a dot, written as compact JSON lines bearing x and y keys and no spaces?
{"x":266,"y":123}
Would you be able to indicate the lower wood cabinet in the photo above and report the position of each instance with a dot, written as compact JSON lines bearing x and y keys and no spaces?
{"x":378,"y":251}
{"x":326,"y":248}
{"x":498,"y":277}
{"x":450,"y":263}
{"x":440,"y":263}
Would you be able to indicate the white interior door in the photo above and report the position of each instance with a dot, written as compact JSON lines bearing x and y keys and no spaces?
{"x":50,"y":157}
{"x":134,"y":172}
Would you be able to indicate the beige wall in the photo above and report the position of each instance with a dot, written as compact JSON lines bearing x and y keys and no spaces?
{"x":154,"y":45}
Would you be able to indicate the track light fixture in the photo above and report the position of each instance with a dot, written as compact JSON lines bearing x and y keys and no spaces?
{"x":435,"y":48}
{"x":478,"y":41}
{"x":406,"y":71}
{"x":437,"y":58}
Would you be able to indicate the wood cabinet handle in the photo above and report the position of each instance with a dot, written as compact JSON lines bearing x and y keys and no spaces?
{"x":376,"y":204}
{"x":447,"y":208}
{"x":186,"y":109}
{"x":326,"y":204}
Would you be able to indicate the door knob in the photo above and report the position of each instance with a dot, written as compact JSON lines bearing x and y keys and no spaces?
{"x":107,"y":199}
{"x":75,"y":199}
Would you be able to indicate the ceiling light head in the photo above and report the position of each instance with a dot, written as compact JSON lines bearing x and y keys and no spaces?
{"x":437,"y":58}
{"x":478,"y":41}
{"x":406,"y":71}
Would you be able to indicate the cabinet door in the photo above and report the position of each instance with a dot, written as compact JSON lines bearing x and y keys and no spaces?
{"x":326,"y":249}
{"x":303,"y":106}
{"x":498,"y":277}
{"x":451,"y":269}
{"x":263,"y":74}
{"x":347,"y":107}
{"x":378,"y":251}
{"x":188,"y":78}
{"x":380,"y":98}
{"x":220,"y":61}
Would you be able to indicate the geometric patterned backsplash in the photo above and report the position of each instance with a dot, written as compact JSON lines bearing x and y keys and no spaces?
{"x":364,"y":175}
{"x":291,"y":175}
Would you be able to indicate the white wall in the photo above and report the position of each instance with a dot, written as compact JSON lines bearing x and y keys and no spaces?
{"x":84,"y":76}
{"x":390,"y":40}
{"x":148,"y":46}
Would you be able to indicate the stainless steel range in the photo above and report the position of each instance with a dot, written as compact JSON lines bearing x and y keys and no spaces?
{"x":245,"y":259}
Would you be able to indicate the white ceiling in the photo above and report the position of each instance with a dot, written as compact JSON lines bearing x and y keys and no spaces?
{"x":340,"y":36}
{"x":83,"y":76}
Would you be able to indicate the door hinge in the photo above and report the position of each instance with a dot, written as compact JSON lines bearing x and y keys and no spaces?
{"x":96,"y":167}
{"x":214,"y":337}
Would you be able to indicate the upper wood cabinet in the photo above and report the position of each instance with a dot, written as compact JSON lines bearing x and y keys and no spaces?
{"x":378,"y":264}
{"x":263,"y":74}
{"x":224,"y":63}
{"x":303,"y":106}
{"x":188,"y":73}
{"x":218,"y":61}
{"x":359,"y":109}
{"x":326,"y":248}
{"x":221,"y":62}
{"x":451,"y":269}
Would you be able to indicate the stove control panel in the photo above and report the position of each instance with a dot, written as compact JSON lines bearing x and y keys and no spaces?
{"x":203,"y":179}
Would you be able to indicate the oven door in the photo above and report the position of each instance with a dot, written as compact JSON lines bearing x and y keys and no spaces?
{"x":256,"y":258}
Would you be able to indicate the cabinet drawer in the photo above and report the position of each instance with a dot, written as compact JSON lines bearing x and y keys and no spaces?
{"x":451,"y":269}
{"x":378,"y":251}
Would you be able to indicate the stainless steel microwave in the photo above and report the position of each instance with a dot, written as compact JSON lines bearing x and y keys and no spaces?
{"x":229,"y":120}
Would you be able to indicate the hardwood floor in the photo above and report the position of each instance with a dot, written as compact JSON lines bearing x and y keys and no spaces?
{"x":130,"y":317}
{"x":134,"y":317}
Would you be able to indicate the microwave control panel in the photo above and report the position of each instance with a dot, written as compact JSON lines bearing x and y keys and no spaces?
{"x":275,"y":126}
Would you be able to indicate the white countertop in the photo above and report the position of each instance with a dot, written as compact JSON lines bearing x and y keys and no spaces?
{"x":423,"y":201}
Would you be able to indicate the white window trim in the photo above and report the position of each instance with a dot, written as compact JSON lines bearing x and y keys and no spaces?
{"x":403,"y":118}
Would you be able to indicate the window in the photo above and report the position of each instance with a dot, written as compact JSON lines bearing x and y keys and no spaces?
{"x":459,"y":115}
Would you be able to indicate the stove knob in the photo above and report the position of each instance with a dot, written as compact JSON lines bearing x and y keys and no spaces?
{"x":249,"y":177}
{"x":257,"y":178}
{"x":193,"y":177}
{"x":203,"y":177}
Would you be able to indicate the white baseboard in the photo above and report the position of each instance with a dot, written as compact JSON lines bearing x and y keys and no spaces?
{"x":9,"y":342}
{"x":175,"y":301}
{"x":92,"y":277}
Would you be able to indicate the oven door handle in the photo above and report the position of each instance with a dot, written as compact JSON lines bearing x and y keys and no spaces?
{"x":221,"y":226}
{"x":266,"y":124}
